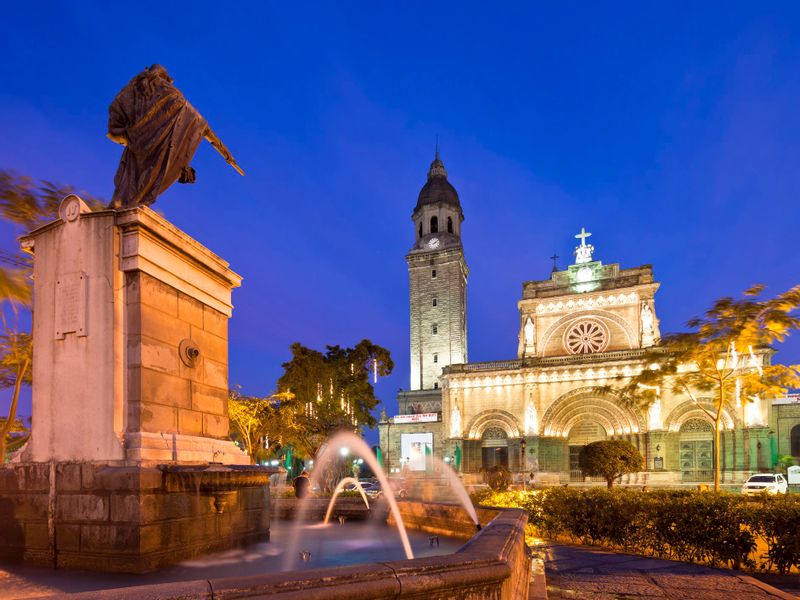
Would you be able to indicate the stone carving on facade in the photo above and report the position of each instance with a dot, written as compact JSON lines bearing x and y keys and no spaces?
{"x":455,"y":422}
{"x":161,"y":132}
{"x":586,"y":336}
{"x":583,"y":253}
{"x":648,"y":325}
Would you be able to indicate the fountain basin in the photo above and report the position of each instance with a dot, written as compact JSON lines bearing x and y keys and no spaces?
{"x":209,"y":478}
{"x":494,"y":563}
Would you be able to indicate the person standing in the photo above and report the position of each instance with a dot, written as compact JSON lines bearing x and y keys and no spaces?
{"x":301,"y":485}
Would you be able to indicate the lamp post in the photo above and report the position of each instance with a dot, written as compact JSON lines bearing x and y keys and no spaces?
{"x":523,"y":445}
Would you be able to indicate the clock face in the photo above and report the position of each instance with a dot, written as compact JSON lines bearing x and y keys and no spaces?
{"x":433,"y":243}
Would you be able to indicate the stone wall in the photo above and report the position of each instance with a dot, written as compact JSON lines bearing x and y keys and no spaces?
{"x":443,"y":519}
{"x":126,"y":519}
{"x":352,"y":508}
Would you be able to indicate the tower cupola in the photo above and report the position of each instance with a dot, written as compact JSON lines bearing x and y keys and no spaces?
{"x":438,"y":211}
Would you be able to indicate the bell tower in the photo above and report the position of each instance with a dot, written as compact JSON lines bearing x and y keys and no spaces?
{"x":437,"y":281}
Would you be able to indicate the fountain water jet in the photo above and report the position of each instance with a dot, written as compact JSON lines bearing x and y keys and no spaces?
{"x":326,"y":454}
{"x":338,"y":491}
{"x":458,"y":487}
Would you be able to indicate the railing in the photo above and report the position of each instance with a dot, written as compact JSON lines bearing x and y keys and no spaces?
{"x":497,"y":365}
{"x":535,"y":361}
{"x":577,"y":476}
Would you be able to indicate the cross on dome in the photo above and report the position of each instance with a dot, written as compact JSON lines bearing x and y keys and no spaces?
{"x":583,"y":253}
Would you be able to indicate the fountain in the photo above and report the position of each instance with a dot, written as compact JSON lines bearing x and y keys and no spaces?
{"x":324,"y":457}
{"x":458,"y":487}
{"x":338,"y":491}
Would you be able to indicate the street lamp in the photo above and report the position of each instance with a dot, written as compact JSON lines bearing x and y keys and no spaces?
{"x":523,"y":445}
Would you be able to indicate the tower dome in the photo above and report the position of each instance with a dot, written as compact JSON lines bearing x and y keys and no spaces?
{"x":437,"y":189}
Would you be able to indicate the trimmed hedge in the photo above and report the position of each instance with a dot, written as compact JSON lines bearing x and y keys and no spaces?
{"x":717,"y":529}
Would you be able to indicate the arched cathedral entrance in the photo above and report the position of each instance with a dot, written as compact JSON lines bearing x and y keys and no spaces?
{"x":581,"y":433}
{"x":697,"y":450}
{"x":494,"y":447}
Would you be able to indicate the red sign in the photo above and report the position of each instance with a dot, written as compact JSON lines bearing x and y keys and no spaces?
{"x":420,"y":418}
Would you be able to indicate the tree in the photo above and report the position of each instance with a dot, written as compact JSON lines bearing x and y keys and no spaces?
{"x":725,"y":361}
{"x":18,"y":434}
{"x":259,"y":423}
{"x":610,"y":459}
{"x":25,"y":204}
{"x":331,"y":391}
{"x":15,"y":359}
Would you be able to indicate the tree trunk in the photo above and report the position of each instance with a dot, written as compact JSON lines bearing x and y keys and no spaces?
{"x":12,"y":412}
{"x":717,"y":421}
{"x":717,"y":470}
{"x":610,"y":482}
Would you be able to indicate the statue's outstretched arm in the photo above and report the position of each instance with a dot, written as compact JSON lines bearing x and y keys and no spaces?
{"x":222,"y":149}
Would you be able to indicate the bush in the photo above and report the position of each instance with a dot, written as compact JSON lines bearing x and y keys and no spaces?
{"x":717,"y":529}
{"x":497,"y":477}
{"x":775,"y":520}
{"x":609,"y":459}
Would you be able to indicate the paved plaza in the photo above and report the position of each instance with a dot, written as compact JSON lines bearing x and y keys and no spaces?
{"x":596,"y":574}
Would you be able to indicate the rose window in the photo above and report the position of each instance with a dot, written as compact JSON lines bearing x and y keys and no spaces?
{"x":586,"y":337}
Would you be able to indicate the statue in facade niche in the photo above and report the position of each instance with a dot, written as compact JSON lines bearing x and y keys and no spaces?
{"x":531,"y":419}
{"x":530,"y":336}
{"x":161,"y":132}
{"x":654,"y":415}
{"x":647,"y":320}
{"x":455,"y":422}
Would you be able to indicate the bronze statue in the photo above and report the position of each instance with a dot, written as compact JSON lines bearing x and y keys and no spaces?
{"x":161,"y":132}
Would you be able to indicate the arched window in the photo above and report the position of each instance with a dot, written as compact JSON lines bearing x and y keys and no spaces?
{"x":449,"y":225}
{"x":420,"y":229}
{"x":795,"y":436}
{"x":434,"y":224}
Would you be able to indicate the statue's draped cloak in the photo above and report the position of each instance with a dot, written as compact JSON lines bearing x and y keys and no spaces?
{"x":161,"y":131}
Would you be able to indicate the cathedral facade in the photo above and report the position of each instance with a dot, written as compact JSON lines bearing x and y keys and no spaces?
{"x":582,"y":332}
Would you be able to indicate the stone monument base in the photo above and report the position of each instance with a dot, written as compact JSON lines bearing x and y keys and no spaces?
{"x":129,"y":519}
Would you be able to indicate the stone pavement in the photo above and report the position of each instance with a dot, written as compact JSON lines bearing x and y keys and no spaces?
{"x":597,"y":574}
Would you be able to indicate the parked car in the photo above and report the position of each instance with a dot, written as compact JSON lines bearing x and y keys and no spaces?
{"x":769,"y":483}
{"x":374,"y":490}
{"x":365,"y":485}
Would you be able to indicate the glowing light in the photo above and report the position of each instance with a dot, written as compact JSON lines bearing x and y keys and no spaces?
{"x":344,"y":451}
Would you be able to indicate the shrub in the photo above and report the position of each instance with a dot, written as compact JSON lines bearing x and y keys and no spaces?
{"x":610,"y":459}
{"x":717,"y":529}
{"x":775,"y":519}
{"x":497,"y":477}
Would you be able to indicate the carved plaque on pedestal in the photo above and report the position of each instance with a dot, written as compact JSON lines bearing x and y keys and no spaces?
{"x":71,"y":305}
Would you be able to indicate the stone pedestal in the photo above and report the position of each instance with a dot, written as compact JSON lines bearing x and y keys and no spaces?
{"x":130,"y":341}
{"x":130,"y":383}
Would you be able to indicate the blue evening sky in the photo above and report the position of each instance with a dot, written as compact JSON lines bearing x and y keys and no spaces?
{"x":669,"y":130}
